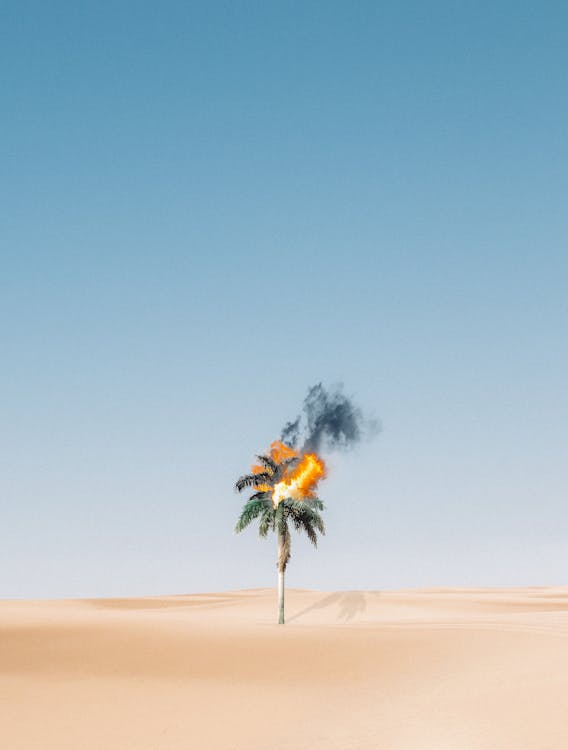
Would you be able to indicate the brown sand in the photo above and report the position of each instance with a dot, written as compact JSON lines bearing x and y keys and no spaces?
{"x":444,"y":669}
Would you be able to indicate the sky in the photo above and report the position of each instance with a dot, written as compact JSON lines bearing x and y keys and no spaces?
{"x":209,"y":207}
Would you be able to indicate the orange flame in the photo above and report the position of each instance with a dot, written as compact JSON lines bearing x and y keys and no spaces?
{"x":302,"y":481}
{"x":280,"y":451}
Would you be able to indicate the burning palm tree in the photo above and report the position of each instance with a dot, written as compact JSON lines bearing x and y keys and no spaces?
{"x":285,"y":484}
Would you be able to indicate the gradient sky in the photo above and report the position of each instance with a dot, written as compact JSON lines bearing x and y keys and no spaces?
{"x":207,"y":207}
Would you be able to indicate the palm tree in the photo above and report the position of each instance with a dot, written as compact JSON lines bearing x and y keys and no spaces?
{"x":303,"y":514}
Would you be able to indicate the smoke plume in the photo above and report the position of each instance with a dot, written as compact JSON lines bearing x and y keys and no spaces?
{"x":328,"y":420}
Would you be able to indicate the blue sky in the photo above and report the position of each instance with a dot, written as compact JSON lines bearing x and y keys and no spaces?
{"x":209,"y":207}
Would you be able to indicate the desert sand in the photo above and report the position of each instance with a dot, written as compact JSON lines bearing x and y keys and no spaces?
{"x":443,"y":669}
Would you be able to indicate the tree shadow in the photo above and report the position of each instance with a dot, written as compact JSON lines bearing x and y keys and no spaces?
{"x":349,"y":603}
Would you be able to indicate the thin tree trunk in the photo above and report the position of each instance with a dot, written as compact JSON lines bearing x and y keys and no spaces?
{"x":281,"y":597}
{"x":280,"y":581}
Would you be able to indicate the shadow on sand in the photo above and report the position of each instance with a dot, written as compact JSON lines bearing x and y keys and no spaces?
{"x":349,"y":603}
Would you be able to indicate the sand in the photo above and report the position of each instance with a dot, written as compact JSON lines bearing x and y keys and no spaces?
{"x":444,"y":669}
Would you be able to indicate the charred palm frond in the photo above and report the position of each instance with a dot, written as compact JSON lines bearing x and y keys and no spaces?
{"x":254,"y":480}
{"x":269,"y":464}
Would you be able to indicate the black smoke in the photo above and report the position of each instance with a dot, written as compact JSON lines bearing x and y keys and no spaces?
{"x":329,"y":420}
{"x":291,"y":432}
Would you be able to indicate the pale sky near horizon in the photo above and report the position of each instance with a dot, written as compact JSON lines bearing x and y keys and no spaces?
{"x":208,"y":207}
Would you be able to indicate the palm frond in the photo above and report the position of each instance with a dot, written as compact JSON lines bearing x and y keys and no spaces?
{"x":304,"y":514}
{"x":266,"y":523}
{"x":310,"y":532}
{"x":253,"y":480}
{"x":315,"y":502}
{"x":305,"y":508}
{"x":315,"y":519}
{"x":251,"y":510}
{"x":269,"y":463}
{"x":262,"y":495}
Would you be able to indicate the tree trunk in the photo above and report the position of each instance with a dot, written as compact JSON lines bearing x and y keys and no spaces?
{"x":281,"y":597}
{"x":280,"y":581}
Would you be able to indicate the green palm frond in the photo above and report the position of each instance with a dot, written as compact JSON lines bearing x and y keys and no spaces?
{"x":296,"y":520}
{"x":310,"y":532}
{"x":251,"y":510}
{"x":315,"y":519}
{"x":266,"y":523}
{"x":305,"y":511}
{"x":315,"y":502}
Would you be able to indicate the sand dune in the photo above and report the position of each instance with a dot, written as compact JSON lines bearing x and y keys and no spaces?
{"x":444,"y":669}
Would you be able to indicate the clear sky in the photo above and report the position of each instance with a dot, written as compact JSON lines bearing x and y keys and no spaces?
{"x":207,"y":207}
